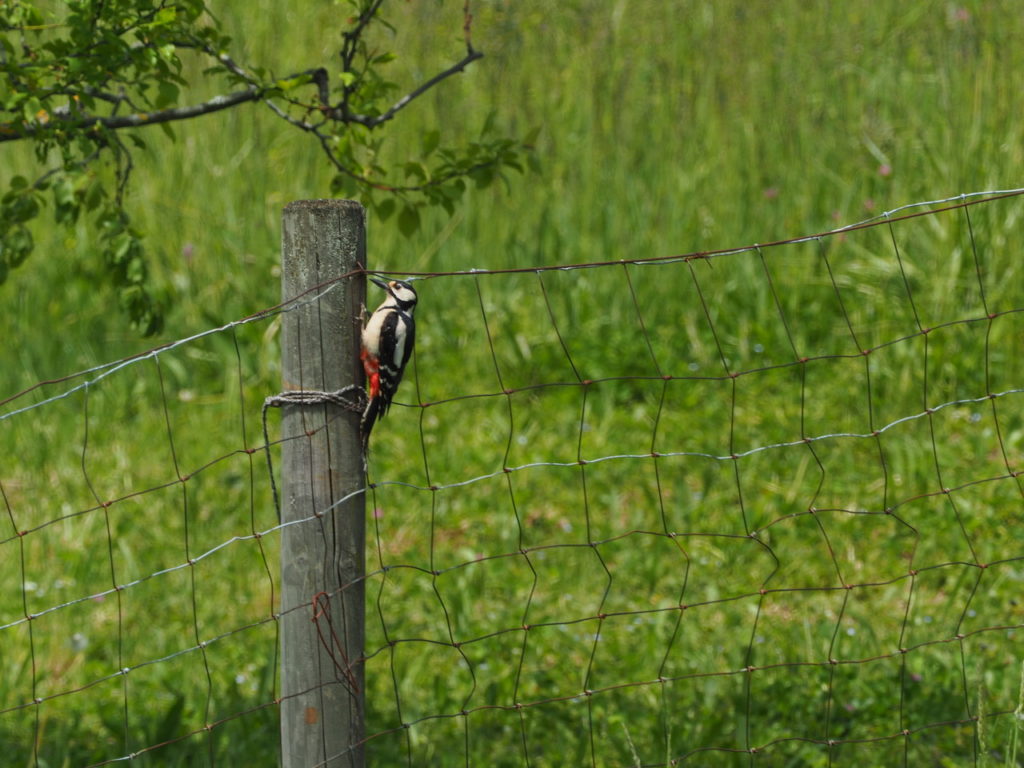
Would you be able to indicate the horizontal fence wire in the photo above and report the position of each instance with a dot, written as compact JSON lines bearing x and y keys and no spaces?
{"x":753,"y":505}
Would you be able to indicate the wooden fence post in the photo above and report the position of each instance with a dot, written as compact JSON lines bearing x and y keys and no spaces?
{"x":322,"y":550}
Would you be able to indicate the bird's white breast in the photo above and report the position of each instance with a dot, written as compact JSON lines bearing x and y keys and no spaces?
{"x":372,"y":331}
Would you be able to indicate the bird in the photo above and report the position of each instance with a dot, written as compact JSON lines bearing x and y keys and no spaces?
{"x":386,"y":345}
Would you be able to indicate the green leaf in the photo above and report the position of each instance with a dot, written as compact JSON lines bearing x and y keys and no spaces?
{"x":66,"y":205}
{"x":291,"y":83}
{"x":169,"y":53}
{"x":135,"y":271}
{"x":166,"y":94}
{"x":488,"y":127}
{"x":343,"y":186}
{"x":63,"y":191}
{"x":165,"y":15}
{"x":531,"y":138}
{"x":31,"y":109}
{"x":16,"y":246}
{"x":20,"y":208}
{"x":168,"y":131}
{"x":431,"y":140}
{"x":482,"y":177}
{"x":416,"y":169}
{"x":409,"y":220}
{"x":386,"y":208}
{"x":94,"y":195}
{"x":120,"y":246}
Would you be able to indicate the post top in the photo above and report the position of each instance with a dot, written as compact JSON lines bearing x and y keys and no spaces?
{"x":298,"y":205}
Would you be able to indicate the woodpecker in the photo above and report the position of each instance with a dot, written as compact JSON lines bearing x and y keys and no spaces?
{"x":387,"y":342}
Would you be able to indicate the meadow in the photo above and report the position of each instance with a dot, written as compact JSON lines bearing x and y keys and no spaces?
{"x":761,"y":505}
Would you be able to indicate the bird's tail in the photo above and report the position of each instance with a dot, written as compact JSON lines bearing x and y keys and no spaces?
{"x":373,"y":409}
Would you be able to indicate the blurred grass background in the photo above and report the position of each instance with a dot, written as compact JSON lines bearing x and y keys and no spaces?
{"x":666,"y":128}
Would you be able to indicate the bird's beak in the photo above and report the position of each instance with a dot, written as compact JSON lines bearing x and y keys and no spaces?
{"x":380,"y":284}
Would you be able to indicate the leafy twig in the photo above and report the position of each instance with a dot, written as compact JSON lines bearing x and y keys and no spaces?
{"x":402,"y":103}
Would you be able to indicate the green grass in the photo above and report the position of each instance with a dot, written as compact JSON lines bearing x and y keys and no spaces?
{"x":664,"y":131}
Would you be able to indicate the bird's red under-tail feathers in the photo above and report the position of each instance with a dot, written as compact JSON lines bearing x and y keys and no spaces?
{"x":371,"y":366}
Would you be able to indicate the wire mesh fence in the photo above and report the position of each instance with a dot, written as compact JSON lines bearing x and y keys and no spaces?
{"x":756,"y":506}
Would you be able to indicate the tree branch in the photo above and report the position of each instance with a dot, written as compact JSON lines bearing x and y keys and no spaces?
{"x":9,"y":133}
{"x":319,"y":78}
{"x":402,"y":103}
{"x":351,"y":37}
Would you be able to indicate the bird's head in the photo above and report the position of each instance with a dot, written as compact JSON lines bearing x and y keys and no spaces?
{"x":403,"y":294}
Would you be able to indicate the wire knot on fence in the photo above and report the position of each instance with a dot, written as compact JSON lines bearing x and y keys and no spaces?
{"x":339,"y":397}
